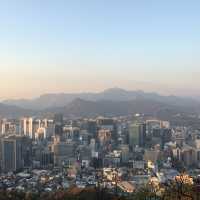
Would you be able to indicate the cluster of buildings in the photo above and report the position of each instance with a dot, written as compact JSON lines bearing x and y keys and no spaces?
{"x":124,"y":152}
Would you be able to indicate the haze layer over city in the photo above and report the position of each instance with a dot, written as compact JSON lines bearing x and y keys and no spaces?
{"x":99,"y":100}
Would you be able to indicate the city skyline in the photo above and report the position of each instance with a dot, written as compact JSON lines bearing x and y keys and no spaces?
{"x":99,"y":100}
{"x":65,"y":46}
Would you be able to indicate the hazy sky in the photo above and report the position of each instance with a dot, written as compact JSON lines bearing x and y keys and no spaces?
{"x":90,"y":45}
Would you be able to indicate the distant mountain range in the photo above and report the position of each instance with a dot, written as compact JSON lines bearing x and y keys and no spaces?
{"x":12,"y":111}
{"x":80,"y":108}
{"x":114,"y":101}
{"x":114,"y":94}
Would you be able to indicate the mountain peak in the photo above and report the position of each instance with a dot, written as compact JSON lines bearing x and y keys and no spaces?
{"x":114,"y":89}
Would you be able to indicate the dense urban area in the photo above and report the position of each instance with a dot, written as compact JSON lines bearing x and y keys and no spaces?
{"x":99,"y":100}
{"x":134,"y":156}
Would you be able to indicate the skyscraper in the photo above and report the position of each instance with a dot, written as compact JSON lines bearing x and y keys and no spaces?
{"x":134,"y":132}
{"x":12,"y":158}
{"x":137,"y":135}
{"x":58,"y":121}
{"x":142,"y":134}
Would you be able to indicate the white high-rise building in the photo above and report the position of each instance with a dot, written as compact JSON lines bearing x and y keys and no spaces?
{"x":29,"y":127}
